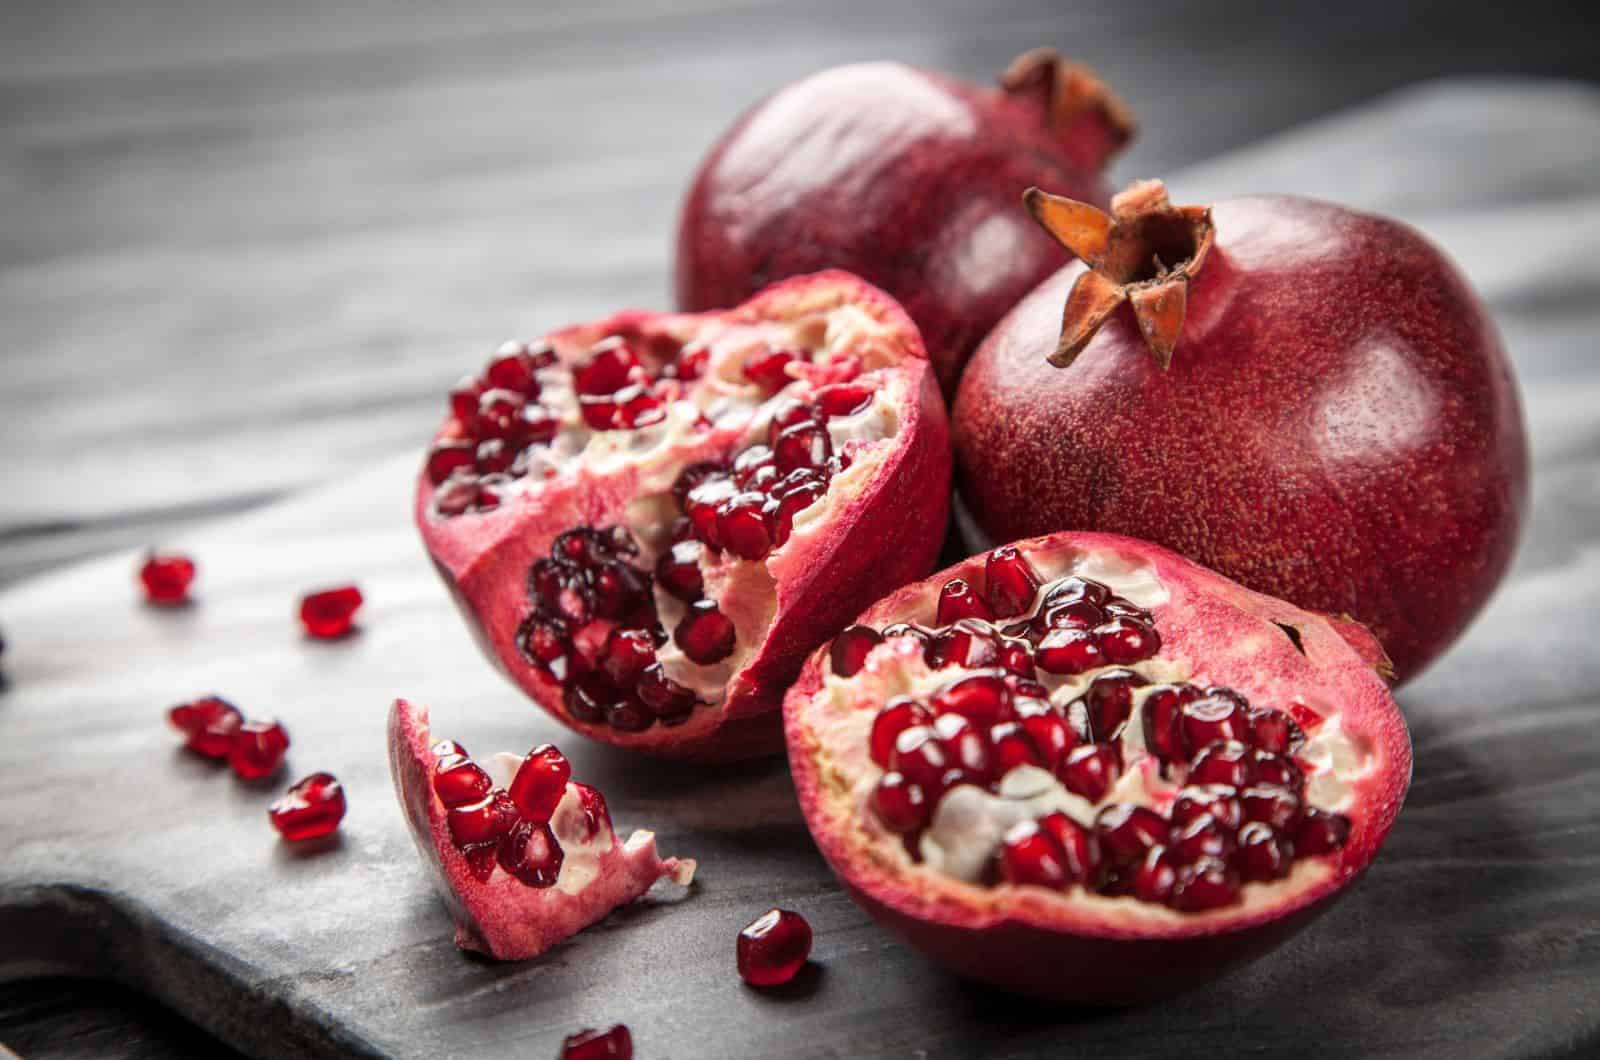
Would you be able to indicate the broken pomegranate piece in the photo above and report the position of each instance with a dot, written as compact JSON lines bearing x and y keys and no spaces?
{"x":311,"y":809}
{"x":166,"y":578}
{"x":330,"y":613}
{"x":653,"y":519}
{"x":1135,"y":817}
{"x":522,"y":860}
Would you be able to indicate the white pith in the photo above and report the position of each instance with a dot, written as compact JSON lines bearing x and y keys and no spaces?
{"x":969,"y":822}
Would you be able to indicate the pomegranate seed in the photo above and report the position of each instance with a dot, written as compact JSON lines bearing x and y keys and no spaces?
{"x":701,"y":506}
{"x":901,"y":805}
{"x":958,"y":600}
{"x":636,"y":406}
{"x":457,"y":495}
{"x":1156,"y":875}
{"x":965,"y":646}
{"x":1068,"y":651}
{"x":499,"y":412}
{"x":590,"y":1044}
{"x":895,"y":717}
{"x":481,"y":860}
{"x":1263,"y":854}
{"x":610,"y":365}
{"x":705,"y":635}
{"x":531,"y":853}
{"x":773,"y":947}
{"x":966,"y":749}
{"x":1321,"y":832}
{"x":1030,"y":855}
{"x":843,"y":399}
{"x":166,"y":578}
{"x":1009,"y":582}
{"x":1051,"y":735}
{"x":1161,"y":710}
{"x":537,"y":425}
{"x":1076,"y":614}
{"x":1079,"y":847}
{"x":748,"y":463}
{"x":458,"y":780}
{"x":1216,"y":801}
{"x":742,"y":527}
{"x":330,"y":614}
{"x":1206,"y":884}
{"x":1017,"y":657}
{"x":1127,"y":640}
{"x":1210,"y":718}
{"x":1203,"y":837}
{"x":540,"y":782}
{"x":494,"y":455}
{"x":447,"y":457}
{"x":489,"y":487}
{"x":790,"y":413}
{"x":512,"y":369}
{"x":625,"y":655}
{"x":596,"y":815}
{"x":629,"y":714}
{"x":803,"y":445}
{"x":1013,"y":747}
{"x":921,"y":757}
{"x":1090,"y":770}
{"x":982,"y":699}
{"x":851,"y":648}
{"x":310,"y":809}
{"x":1224,"y":762}
{"x":560,"y":589}
{"x":1108,"y":702}
{"x":795,"y":500}
{"x":1274,"y":806}
{"x":544,"y":642}
{"x":678,"y":571}
{"x":665,"y":698}
{"x":484,"y":821}
{"x":1069,"y":589}
{"x":1274,"y":731}
{"x":587,"y":696}
{"x":619,"y":590}
{"x":209,"y":724}
{"x":464,"y":400}
{"x":1277,"y":771}
{"x":599,"y":411}
{"x":257,"y":749}
{"x":767,"y":368}
{"x":1128,"y":831}
{"x":691,"y":363}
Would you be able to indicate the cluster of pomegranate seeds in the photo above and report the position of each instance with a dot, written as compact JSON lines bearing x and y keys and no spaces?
{"x":746,"y":505}
{"x":510,"y":827}
{"x":330,"y":613}
{"x":773,"y":947}
{"x":594,"y":630}
{"x":311,"y":809}
{"x":214,"y":728}
{"x":167,"y":578}
{"x":590,"y":1044}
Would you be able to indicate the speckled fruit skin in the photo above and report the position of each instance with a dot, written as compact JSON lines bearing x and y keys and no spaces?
{"x":906,"y":177}
{"x":1039,"y":943}
{"x":1339,"y":426}
{"x":888,"y":534}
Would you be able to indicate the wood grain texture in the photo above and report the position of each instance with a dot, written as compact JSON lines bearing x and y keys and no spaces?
{"x":244,"y":248}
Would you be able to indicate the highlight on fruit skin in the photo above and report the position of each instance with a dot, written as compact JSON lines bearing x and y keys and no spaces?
{"x":668,"y":512}
{"x":1124,"y":777}
{"x":1306,"y":398}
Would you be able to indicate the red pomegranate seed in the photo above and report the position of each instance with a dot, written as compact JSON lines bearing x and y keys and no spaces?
{"x":1069,"y":589}
{"x":1127,"y":640}
{"x":1090,"y":770}
{"x":538,"y":424}
{"x":705,"y":635}
{"x":1013,"y":747}
{"x":964,"y":646}
{"x":773,"y":947}
{"x":1216,"y":801}
{"x":637,"y":406}
{"x":330,"y":614}
{"x":458,"y":780}
{"x":1079,"y":847}
{"x":481,"y":860}
{"x":1108,"y":702}
{"x":678,"y":571}
{"x":464,"y":400}
{"x":1161,"y":710}
{"x":484,"y":821}
{"x":1210,"y":718}
{"x":1052,"y":735}
{"x":1274,"y":731}
{"x":312,"y":808}
{"x":1076,"y":614}
{"x":609,"y":367}
{"x":1321,"y":832}
{"x":901,"y":805}
{"x":1017,"y":657}
{"x":1155,"y":877}
{"x":982,"y":699}
{"x":795,"y":500}
{"x":851,"y":648}
{"x":1263,"y":854}
{"x":494,"y":455}
{"x":922,"y":758}
{"x":629,"y":714}
{"x":1127,"y":832}
{"x":966,"y":749}
{"x":166,"y":578}
{"x":742,"y":526}
{"x":257,"y":749}
{"x":843,"y":399}
{"x":1206,"y":884}
{"x":803,"y":445}
{"x":1203,"y":837}
{"x":895,"y":717}
{"x":1277,"y":771}
{"x":958,"y":600}
{"x":665,"y":698}
{"x":499,"y":412}
{"x":448,"y":457}
{"x":512,"y":369}
{"x":1274,"y":806}
{"x":457,"y":495}
{"x":540,"y":782}
{"x":209,"y":724}
{"x":625,"y":655}
{"x":767,"y":368}
{"x":1068,"y":651}
{"x":1223,"y":762}
{"x":531,"y":853}
{"x":1009,"y":582}
{"x":1030,"y":855}
{"x":545,"y":643}
{"x":590,"y":1044}
{"x":596,"y":814}
{"x":747,"y":464}
{"x":790,"y":413}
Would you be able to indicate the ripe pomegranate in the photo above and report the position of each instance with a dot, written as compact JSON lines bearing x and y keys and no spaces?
{"x":905,"y":177}
{"x":651,"y":520}
{"x":1128,"y":776}
{"x":773,"y":948}
{"x":518,"y":873}
{"x":1308,"y":399}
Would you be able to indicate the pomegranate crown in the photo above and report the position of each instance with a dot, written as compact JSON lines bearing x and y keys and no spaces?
{"x":1143,"y":252}
{"x":1077,"y":103}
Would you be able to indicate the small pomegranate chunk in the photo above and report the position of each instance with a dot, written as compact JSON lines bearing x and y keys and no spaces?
{"x":166,"y":578}
{"x":257,"y":749}
{"x":773,"y":947}
{"x":330,"y":613}
{"x":540,"y":782}
{"x":312,"y":808}
{"x":590,"y":1044}
{"x":208,"y":724}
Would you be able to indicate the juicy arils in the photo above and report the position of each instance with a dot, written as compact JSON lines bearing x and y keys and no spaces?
{"x":651,"y":520}
{"x":524,"y":859}
{"x":1085,"y":768}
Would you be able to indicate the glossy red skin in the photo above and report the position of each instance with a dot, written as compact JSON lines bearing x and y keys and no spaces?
{"x":1339,"y":426}
{"x":907,"y":178}
{"x":1052,"y":949}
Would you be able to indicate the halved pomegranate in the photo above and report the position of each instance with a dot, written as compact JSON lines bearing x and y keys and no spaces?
{"x":1126,"y":776}
{"x":651,"y":520}
{"x":519,"y":871}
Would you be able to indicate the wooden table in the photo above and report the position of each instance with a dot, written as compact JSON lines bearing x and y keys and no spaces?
{"x":244,"y":248}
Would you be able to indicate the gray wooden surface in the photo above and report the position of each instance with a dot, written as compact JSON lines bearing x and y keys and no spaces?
{"x":242,"y":251}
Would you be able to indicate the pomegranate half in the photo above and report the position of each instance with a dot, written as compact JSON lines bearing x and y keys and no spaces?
{"x":1302,"y":397}
{"x":1084,"y":768}
{"x":907,"y":178}
{"x":524,"y":859}
{"x":652,"y":519}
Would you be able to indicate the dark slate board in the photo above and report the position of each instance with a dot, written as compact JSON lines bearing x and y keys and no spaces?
{"x":1477,"y":933}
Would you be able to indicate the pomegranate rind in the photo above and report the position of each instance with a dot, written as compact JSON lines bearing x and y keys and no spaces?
{"x":884,"y":534}
{"x":504,"y":918}
{"x":1064,"y":946}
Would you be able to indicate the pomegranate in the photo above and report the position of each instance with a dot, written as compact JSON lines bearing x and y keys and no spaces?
{"x":668,"y":512}
{"x":1106,"y":826}
{"x":518,"y":871}
{"x":773,"y":948}
{"x":166,"y":578}
{"x":591,"y":1044}
{"x":905,"y":177}
{"x":311,"y":809}
{"x":1308,"y":399}
{"x":330,"y":613}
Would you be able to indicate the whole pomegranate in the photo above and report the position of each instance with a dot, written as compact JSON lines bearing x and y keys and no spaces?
{"x":1085,"y":768}
{"x":1307,"y":399}
{"x":651,"y":520}
{"x":905,"y":177}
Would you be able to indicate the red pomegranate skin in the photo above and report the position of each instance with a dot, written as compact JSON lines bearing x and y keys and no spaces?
{"x":1339,"y":426}
{"x":908,"y":178}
